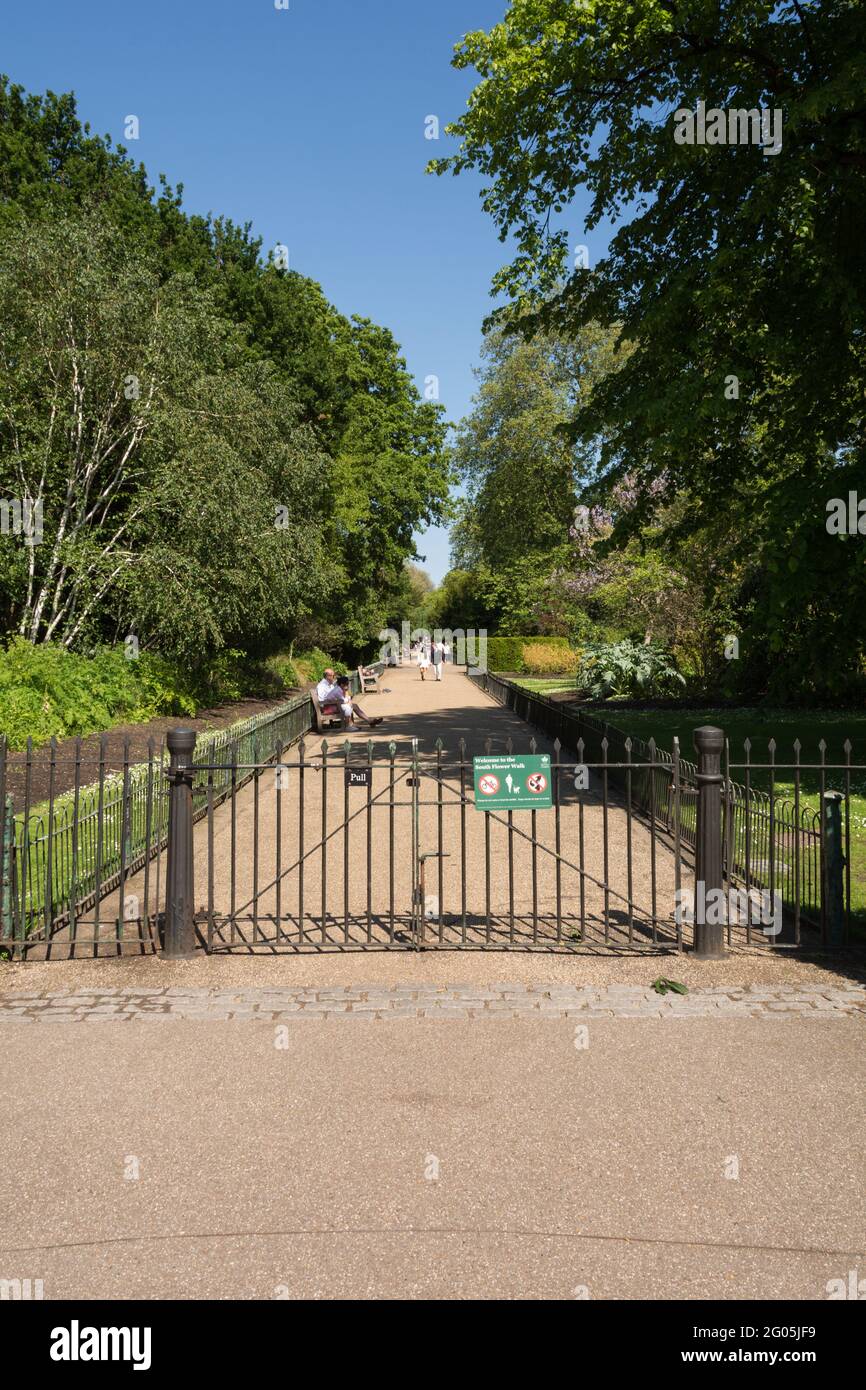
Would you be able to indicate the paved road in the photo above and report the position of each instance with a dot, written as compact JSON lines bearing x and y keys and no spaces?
{"x":435,"y":1159}
{"x":459,"y":1126}
{"x":416,"y":1000}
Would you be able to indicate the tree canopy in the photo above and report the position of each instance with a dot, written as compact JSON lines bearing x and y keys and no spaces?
{"x":735,"y":277}
{"x":221,"y":456}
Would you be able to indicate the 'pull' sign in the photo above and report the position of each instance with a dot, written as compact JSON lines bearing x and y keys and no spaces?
{"x":358,"y":776}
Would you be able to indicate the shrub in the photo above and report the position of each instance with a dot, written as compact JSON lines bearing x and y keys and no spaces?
{"x":628,"y":668}
{"x":545,"y":658}
{"x":562,"y":644}
{"x":310,"y":666}
{"x":505,"y":653}
{"x":162,"y":688}
{"x":509,"y":653}
{"x":283,"y":671}
{"x":289,"y":670}
{"x":47,"y":690}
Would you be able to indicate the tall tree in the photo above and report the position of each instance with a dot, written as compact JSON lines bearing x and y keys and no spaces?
{"x":521,"y":473}
{"x":738,"y":275}
{"x":383,"y":471}
{"x":524,"y":475}
{"x":155,"y":455}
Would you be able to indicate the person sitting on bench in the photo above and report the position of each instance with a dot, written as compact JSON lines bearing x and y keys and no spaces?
{"x":354,"y":709}
{"x":334,"y":698}
{"x":331,"y":697}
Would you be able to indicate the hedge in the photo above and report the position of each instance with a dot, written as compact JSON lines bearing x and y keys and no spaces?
{"x":507,"y":653}
{"x":543,"y":658}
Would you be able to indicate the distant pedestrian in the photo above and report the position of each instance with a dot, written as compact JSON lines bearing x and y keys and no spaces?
{"x":423,"y":660}
{"x":438,"y":658}
{"x":446,"y":651}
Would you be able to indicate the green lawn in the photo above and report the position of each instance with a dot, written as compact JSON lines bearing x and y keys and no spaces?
{"x":545,"y":685}
{"x":759,"y":725}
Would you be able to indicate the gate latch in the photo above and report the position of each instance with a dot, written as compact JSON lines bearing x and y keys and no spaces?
{"x":422,"y":860}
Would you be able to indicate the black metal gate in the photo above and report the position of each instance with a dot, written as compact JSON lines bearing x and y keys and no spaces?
{"x":372,"y":847}
{"x":262,"y":841}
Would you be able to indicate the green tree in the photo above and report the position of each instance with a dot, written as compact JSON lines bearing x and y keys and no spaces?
{"x":463,"y":600}
{"x":382,"y":472}
{"x":523,"y":476}
{"x":412,"y":603}
{"x":156,"y":453}
{"x":737,"y":277}
{"x":521,"y":473}
{"x":391,"y":477}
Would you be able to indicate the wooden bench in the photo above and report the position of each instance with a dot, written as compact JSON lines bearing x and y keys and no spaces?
{"x":325,"y":719}
{"x":369,"y":680}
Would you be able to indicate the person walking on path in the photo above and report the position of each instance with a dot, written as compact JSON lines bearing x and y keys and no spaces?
{"x":438,"y":659}
{"x":423,"y":660}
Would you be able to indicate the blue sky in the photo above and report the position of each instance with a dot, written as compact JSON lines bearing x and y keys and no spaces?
{"x":309,"y":123}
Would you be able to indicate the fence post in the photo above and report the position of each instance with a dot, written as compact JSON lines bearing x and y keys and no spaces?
{"x":179,"y":885}
{"x":709,"y":895}
{"x":834,"y":863}
{"x":8,"y":840}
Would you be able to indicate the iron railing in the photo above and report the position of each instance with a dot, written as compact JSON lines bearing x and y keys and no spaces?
{"x":65,"y":855}
{"x":771,"y":843}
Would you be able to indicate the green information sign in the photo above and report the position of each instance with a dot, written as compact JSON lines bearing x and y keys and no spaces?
{"x":519,"y":782}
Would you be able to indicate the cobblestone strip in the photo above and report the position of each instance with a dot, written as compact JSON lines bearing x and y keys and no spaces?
{"x":498,"y":1001}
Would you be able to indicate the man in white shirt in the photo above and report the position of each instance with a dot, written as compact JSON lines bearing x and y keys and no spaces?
{"x":331,"y":697}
